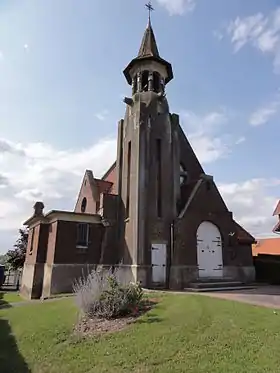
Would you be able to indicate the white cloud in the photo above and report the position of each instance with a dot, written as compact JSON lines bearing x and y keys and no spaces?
{"x":260,"y":31}
{"x":218,"y":34}
{"x":263,"y":114}
{"x":178,"y":7}
{"x":252,"y":203}
{"x":240,"y":140}
{"x":38,"y":171}
{"x":102,"y":115}
{"x":202,"y":132}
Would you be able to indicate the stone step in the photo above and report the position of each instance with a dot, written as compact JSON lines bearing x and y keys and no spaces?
{"x":216,"y":289}
{"x":215,"y":284}
{"x":213,"y":279}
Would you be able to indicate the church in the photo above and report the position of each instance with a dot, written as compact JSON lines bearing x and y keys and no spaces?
{"x":155,"y":214}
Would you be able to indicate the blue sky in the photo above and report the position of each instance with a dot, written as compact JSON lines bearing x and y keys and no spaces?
{"x":61,"y":90}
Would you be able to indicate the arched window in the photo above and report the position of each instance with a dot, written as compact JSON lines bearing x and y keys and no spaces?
{"x":84,"y":204}
{"x":145,"y":81}
{"x":156,"y":78}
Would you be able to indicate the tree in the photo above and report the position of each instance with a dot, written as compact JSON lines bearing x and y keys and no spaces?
{"x":3,"y":259}
{"x":16,"y":256}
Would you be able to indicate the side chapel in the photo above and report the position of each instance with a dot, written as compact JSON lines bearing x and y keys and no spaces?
{"x":155,"y":213}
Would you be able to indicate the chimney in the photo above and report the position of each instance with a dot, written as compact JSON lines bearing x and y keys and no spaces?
{"x":38,"y":209}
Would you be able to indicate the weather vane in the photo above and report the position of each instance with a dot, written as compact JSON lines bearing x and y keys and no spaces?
{"x":150,"y":9}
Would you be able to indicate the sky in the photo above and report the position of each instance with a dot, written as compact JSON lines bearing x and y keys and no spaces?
{"x":61,"y":92}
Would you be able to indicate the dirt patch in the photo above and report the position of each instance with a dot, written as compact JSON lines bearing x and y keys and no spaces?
{"x":87,"y":327}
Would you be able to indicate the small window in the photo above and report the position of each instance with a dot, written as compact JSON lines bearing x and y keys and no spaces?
{"x":84,"y":204}
{"x":128,"y":181}
{"x":156,"y":79}
{"x":31,"y":241}
{"x":82,"y":235}
{"x":145,"y":81}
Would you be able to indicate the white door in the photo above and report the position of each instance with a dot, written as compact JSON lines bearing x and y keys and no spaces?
{"x":159,"y":263}
{"x":209,"y":250}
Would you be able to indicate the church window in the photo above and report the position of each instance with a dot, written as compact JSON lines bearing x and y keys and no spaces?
{"x":128,"y":180}
{"x":159,"y":191}
{"x":156,"y":78}
{"x":84,"y":204}
{"x":145,"y":81}
{"x":82,"y":235}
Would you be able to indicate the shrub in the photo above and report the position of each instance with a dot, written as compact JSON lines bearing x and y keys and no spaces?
{"x":102,"y":294}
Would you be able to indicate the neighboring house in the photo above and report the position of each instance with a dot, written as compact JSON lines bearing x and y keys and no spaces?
{"x":266,"y":246}
{"x":266,"y":253}
{"x":155,"y":213}
{"x":276,"y":212}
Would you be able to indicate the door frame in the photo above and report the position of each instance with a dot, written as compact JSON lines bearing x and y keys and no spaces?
{"x":215,"y":272}
{"x":154,"y":244}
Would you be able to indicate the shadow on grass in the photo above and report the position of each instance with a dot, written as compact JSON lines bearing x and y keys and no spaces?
{"x":149,"y":319}
{"x":11,"y":360}
{"x":3,"y":303}
{"x":146,"y":306}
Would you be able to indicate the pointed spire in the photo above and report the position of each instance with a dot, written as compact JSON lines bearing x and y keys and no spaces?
{"x":149,"y":45}
{"x":148,"y":51}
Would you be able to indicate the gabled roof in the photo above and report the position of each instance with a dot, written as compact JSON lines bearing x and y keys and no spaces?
{"x":114,"y":165}
{"x":243,"y":235}
{"x":276,"y":229}
{"x":277,"y":209}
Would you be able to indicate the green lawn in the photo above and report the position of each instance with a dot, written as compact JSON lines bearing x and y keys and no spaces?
{"x":184,"y":333}
{"x":9,"y":297}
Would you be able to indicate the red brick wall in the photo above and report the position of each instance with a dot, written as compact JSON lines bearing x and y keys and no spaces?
{"x":39,"y":246}
{"x":112,"y":177}
{"x":87,"y":193}
{"x":66,"y":250}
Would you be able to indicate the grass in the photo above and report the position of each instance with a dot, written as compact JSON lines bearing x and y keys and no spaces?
{"x":184,"y":333}
{"x":9,"y":297}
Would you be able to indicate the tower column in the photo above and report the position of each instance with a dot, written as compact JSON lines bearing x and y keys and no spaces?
{"x":151,"y":81}
{"x":139,"y":81}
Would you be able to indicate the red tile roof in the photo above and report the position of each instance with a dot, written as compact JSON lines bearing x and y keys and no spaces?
{"x":267,"y":246}
{"x":103,"y":186}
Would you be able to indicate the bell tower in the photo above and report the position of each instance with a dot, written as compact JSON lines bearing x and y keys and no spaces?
{"x":148,"y":167}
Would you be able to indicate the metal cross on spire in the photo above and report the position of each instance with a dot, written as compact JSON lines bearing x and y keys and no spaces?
{"x":150,"y":9}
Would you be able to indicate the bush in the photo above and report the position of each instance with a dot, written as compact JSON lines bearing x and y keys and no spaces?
{"x":101,"y":294}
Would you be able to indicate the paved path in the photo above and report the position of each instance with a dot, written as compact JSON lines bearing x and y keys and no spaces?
{"x":266,"y":296}
{"x":261,"y":295}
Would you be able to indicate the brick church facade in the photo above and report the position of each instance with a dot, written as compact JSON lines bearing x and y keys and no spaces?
{"x":155,"y":213}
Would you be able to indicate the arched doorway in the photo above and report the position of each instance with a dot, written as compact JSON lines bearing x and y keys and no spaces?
{"x":209,"y":250}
